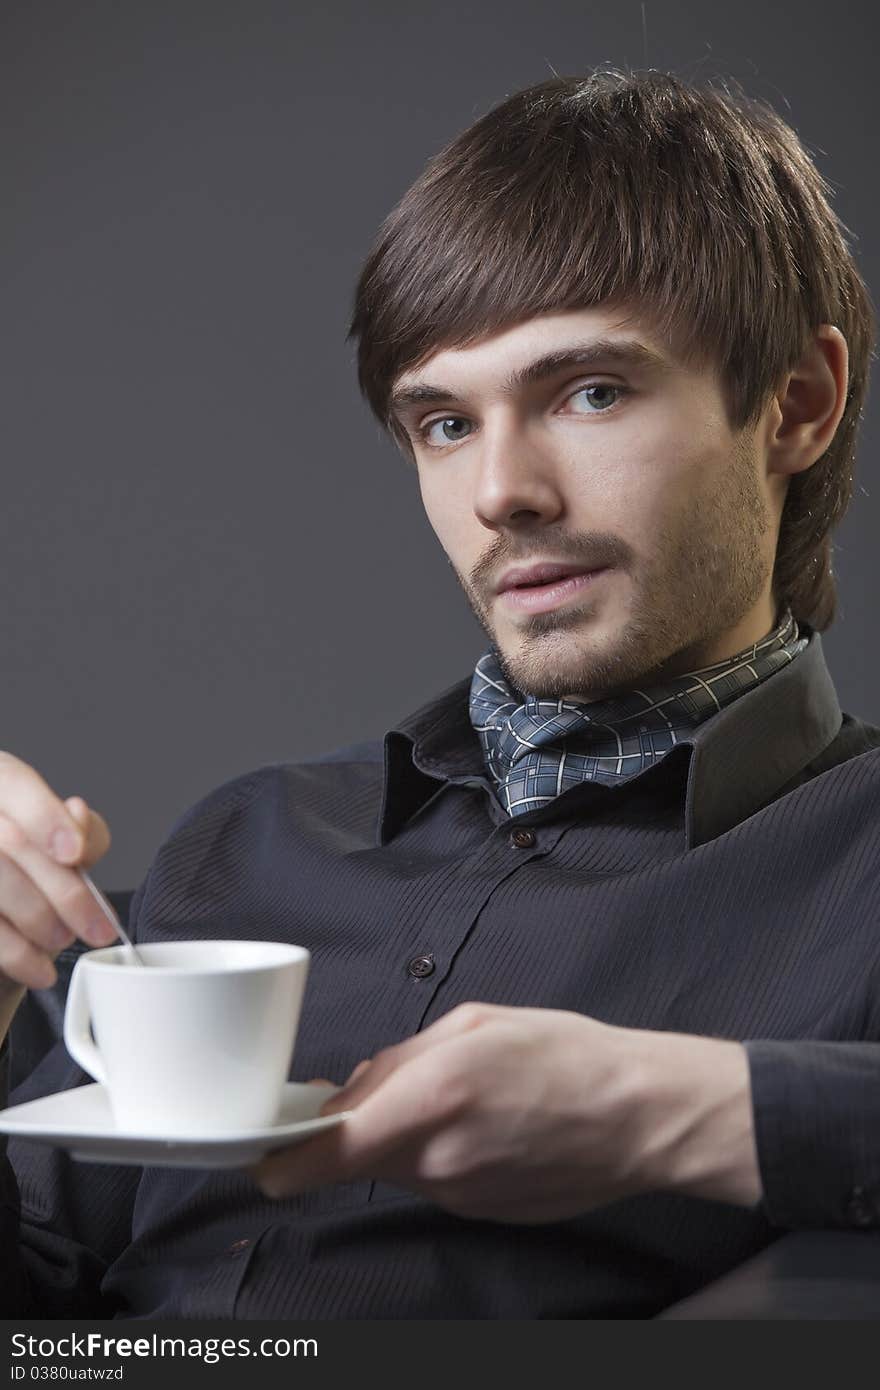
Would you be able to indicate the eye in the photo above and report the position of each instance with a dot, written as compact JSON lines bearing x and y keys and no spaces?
{"x":424,"y":432}
{"x":426,"y":436}
{"x":603,"y":387}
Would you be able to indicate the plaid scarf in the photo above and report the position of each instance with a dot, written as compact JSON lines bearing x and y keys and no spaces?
{"x":536,"y":749}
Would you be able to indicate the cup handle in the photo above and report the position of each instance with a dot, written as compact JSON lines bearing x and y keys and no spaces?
{"x":77,"y":1033}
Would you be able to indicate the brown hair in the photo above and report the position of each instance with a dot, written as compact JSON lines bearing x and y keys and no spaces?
{"x":699,"y":210}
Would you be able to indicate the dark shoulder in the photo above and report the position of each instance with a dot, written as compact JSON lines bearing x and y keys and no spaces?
{"x":855,"y":738}
{"x":336,"y":790}
{"x":354,"y":762}
{"x":370,"y":751}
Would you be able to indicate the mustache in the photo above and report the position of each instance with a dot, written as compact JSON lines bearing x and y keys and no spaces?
{"x":589,"y":552}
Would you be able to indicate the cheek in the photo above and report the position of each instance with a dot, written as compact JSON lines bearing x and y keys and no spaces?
{"x":645,"y":499}
{"x":433,"y":507}
{"x":620,"y":499}
{"x":451,"y":523}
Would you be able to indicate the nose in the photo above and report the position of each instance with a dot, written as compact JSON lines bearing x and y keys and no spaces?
{"x":517,"y":482}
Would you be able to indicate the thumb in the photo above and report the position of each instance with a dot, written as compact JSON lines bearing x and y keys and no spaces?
{"x":94,"y":827}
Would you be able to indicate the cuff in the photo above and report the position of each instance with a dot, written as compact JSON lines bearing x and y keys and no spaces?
{"x":816,"y":1110}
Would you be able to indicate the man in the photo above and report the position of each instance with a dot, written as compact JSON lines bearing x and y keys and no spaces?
{"x":593,"y":931}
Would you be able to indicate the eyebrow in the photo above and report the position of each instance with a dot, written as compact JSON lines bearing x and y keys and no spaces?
{"x":620,"y":352}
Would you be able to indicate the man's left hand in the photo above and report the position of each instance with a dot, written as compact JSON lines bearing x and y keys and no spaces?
{"x":532,"y":1115}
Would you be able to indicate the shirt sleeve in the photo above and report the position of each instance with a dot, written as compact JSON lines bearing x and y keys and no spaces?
{"x":816,"y":1109}
{"x":61,"y":1222}
{"x":11,"y":1280}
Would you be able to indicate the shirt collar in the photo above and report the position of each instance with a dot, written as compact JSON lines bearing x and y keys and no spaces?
{"x":736,"y":760}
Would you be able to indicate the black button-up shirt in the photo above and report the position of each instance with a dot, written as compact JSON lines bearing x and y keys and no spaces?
{"x":733,"y":889}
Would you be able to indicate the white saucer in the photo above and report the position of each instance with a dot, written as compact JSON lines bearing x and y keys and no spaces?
{"x":80,"y":1121}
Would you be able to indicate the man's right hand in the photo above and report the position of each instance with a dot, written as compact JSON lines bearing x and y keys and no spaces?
{"x":44,"y":904}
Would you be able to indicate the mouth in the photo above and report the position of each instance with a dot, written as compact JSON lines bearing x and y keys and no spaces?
{"x":538,"y":598}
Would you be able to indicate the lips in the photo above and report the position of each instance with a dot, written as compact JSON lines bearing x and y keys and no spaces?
{"x":545,"y":573}
{"x":543,"y":598}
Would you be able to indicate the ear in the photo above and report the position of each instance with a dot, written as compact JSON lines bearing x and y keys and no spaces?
{"x":808,"y":404}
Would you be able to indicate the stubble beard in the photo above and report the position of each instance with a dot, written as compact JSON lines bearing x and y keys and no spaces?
{"x":708,"y":570}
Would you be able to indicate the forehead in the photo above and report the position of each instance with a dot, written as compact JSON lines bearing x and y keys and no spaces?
{"x":496,"y":353}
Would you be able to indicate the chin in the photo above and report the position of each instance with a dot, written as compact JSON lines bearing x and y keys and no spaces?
{"x":546,"y":677}
{"x":562,"y":664}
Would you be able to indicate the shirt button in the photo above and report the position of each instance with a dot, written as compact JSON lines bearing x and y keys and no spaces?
{"x":522,"y":839}
{"x":420,"y":966}
{"x":860,"y":1208}
{"x":238,"y":1245}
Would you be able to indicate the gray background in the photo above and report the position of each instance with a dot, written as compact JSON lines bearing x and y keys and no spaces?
{"x":211,"y":558}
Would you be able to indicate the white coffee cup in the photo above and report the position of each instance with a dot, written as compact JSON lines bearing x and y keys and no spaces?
{"x":197,"y":1041}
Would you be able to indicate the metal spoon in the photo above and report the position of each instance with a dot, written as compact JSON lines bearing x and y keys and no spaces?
{"x":111,"y":917}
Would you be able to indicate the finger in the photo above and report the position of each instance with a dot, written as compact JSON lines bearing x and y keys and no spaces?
{"x":347,"y":1151}
{"x":27,"y":910}
{"x":48,"y":903}
{"x":356,"y":1072}
{"x":329,"y":1157}
{"x":28,"y":801}
{"x":403,"y":1110}
{"x":370,"y":1074}
{"x":324,"y":1158}
{"x":10,"y":833}
{"x":22,"y":961}
{"x":95,"y":828}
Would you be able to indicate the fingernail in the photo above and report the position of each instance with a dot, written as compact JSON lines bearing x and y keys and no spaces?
{"x":61,"y":936}
{"x":65,"y":844}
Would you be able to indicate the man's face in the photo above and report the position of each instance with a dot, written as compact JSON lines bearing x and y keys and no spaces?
{"x":627,"y":465}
